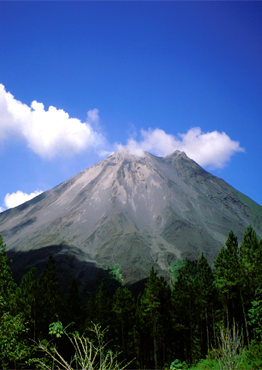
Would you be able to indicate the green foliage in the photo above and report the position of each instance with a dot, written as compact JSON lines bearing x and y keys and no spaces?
{"x":175,"y":268}
{"x":177,"y":364}
{"x":230,"y":354}
{"x":158,"y":326}
{"x":205,"y":291}
{"x":228,"y":277}
{"x":73,"y":305}
{"x":253,"y":358}
{"x":178,"y":267}
{"x":227,"y":268}
{"x":56,"y":328}
{"x":251,"y":260}
{"x":115,"y":272}
{"x":206,"y":364}
{"x":7,"y":285}
{"x":204,"y":281}
{"x":12,"y":346}
{"x":103,"y":314}
{"x":255,"y":315}
{"x":185,"y":314}
{"x":48,"y":302}
{"x":124,"y":309}
{"x":28,"y":292}
{"x":13,"y":325}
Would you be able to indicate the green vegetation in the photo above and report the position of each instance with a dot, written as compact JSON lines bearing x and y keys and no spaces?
{"x":207,"y":319}
{"x":115,"y":272}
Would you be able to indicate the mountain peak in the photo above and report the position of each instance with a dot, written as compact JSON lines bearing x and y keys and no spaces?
{"x":130,"y":210}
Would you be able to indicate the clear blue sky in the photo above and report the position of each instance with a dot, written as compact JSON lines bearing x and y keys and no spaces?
{"x":188,"y":74}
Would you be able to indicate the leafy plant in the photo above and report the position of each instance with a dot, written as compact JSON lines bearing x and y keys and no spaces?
{"x":56,"y":328}
{"x":177,"y":364}
{"x":88,"y":355}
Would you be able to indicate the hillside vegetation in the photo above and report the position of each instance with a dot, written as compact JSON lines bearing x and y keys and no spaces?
{"x":209,"y":318}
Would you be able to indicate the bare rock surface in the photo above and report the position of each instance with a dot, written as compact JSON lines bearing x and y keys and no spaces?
{"x":132,"y":211}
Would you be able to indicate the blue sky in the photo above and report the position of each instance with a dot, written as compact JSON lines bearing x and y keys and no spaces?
{"x":79,"y":80}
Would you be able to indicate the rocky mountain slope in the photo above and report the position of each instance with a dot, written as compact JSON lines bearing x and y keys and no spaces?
{"x":130,"y":211}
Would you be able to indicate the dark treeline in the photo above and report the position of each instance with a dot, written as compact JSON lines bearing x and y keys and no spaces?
{"x":160,"y":324}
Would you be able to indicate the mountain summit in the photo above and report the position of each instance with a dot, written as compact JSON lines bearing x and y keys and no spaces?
{"x":130,"y":211}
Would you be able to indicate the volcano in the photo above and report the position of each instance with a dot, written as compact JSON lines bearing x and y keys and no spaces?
{"x":128,"y":212}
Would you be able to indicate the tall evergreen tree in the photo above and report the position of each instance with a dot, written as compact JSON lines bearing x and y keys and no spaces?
{"x":90,"y":311}
{"x":251,"y":262}
{"x":49,"y":303}
{"x":124,"y":309}
{"x":141,"y":334}
{"x":103,"y":315}
{"x":184,"y":310}
{"x":73,"y":306}
{"x":155,"y":303}
{"x":7,"y":285}
{"x":228,"y":276}
{"x":205,"y":295}
{"x":29,"y":296}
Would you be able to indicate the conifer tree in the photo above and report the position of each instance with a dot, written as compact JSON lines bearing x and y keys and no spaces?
{"x":103,"y":314}
{"x":183,"y":302}
{"x":74,"y":312}
{"x":7,"y":285}
{"x":140,"y":336}
{"x":251,"y":260}
{"x":91,"y":311}
{"x":228,"y":276}
{"x":205,"y":293}
{"x":49,"y":303}
{"x":165,"y":321}
{"x":29,"y":295}
{"x":124,"y":309}
{"x":151,"y":302}
{"x":13,"y":346}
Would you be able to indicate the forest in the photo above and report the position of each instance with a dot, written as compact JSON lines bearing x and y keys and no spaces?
{"x":206,"y":318}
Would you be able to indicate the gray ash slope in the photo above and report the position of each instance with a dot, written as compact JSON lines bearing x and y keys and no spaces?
{"x":132,"y":211}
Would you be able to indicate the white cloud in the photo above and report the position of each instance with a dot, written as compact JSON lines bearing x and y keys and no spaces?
{"x":52,"y":132}
{"x":212,"y":149}
{"x":48,"y":132}
{"x":2,"y":209}
{"x":15,"y":199}
{"x":132,"y":147}
{"x":93,"y":115}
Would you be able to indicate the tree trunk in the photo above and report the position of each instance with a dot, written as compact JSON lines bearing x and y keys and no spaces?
{"x":207,"y":328}
{"x":191,"y":333}
{"x":214,"y":331}
{"x":245,"y":318}
{"x":34,"y":323}
{"x":123,"y":339}
{"x":155,"y":352}
{"x":227,"y":316}
{"x":164,"y":354}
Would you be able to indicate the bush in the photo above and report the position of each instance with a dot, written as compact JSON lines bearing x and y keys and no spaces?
{"x":88,"y":355}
